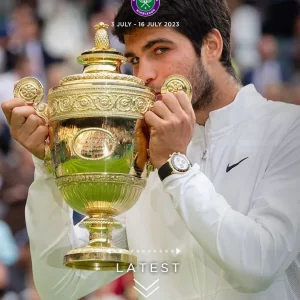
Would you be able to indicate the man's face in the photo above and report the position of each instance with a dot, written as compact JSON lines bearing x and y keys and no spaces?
{"x":156,"y":53}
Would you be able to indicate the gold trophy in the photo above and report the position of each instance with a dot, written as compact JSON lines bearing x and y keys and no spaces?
{"x":94,"y":151}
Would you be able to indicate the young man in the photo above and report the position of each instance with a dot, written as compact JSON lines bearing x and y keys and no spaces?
{"x":233,"y":216}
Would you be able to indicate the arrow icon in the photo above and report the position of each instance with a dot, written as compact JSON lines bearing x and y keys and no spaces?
{"x":177,"y":251}
{"x":146,"y":289}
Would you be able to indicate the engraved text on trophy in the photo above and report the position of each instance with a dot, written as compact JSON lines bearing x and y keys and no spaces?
{"x":94,"y":143}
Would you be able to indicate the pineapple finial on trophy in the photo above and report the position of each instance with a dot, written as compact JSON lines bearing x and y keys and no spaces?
{"x":101,"y":58}
{"x":101,"y":37}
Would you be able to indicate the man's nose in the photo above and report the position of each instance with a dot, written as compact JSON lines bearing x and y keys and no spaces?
{"x":146,"y":72}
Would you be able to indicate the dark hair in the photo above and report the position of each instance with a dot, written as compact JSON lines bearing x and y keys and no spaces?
{"x":196,"y":19}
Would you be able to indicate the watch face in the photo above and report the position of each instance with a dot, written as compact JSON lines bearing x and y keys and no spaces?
{"x":180,"y":163}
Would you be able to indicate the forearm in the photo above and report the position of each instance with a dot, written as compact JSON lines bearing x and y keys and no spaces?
{"x":52,"y":235}
{"x":250,"y":252}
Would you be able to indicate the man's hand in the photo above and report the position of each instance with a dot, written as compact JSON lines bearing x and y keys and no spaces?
{"x":171,"y":123}
{"x":25,"y":126}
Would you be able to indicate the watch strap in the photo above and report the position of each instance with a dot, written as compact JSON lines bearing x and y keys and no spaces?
{"x":164,"y":171}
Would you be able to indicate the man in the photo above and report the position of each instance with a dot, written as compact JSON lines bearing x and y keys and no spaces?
{"x":233,"y":216}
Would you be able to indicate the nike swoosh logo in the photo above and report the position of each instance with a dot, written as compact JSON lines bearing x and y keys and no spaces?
{"x":233,"y":166}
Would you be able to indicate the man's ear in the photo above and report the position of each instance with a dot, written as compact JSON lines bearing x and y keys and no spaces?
{"x":212,"y":46}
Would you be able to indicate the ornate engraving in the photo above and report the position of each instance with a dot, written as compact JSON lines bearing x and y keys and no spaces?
{"x":176,"y":83}
{"x":176,"y":86}
{"x":124,"y":104}
{"x":91,"y":221}
{"x":141,"y":105}
{"x":105,"y":76}
{"x":105,"y":55}
{"x":94,"y":143}
{"x":104,"y":102}
{"x":100,"y":193}
{"x":30,"y":89}
{"x":96,"y":102}
{"x":122,"y":179}
{"x":42,"y":111}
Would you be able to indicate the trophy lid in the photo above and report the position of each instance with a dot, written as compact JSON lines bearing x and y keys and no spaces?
{"x":102,"y":62}
{"x":101,"y":90}
{"x":106,"y":58}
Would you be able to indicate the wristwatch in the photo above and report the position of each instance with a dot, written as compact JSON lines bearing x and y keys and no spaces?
{"x":177,"y":164}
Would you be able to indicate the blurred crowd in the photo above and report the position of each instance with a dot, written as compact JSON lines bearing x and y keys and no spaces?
{"x":266,"y":46}
{"x":42,"y":38}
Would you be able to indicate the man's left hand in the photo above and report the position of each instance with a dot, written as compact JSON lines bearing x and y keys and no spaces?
{"x":171,"y":123}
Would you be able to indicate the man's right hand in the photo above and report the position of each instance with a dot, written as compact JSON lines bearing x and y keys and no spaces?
{"x":26,"y":127}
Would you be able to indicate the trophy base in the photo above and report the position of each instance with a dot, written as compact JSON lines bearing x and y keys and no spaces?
{"x":100,"y":259}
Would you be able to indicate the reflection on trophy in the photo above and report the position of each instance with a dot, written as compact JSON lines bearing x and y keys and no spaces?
{"x":96,"y":150}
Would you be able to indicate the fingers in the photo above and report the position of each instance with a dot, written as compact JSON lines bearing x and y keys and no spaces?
{"x":9,"y":105}
{"x":177,"y":104}
{"x":172,"y":103}
{"x":162,"y":110}
{"x":26,"y":127}
{"x":172,"y":106}
{"x":153,"y":120}
{"x":184,"y":102}
{"x":31,"y":124}
{"x":35,"y":143}
{"x":38,"y":137}
{"x":19,"y":115}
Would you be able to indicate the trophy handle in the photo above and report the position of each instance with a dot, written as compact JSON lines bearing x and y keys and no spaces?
{"x":175,"y":83}
{"x":42,"y":111}
{"x":32,"y":91}
{"x":48,"y":160}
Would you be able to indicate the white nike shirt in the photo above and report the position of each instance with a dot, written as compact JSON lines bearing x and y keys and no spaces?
{"x":231,"y":224}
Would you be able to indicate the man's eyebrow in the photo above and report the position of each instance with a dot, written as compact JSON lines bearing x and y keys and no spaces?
{"x":156,"y":41}
{"x":129,"y":54}
{"x":149,"y":45}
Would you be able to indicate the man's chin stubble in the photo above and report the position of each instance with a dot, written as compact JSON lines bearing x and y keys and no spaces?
{"x":205,"y":97}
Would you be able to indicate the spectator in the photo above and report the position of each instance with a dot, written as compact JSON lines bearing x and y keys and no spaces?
{"x":268,"y":72}
{"x":280,"y":20}
{"x":246,"y":18}
{"x":16,"y":171}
